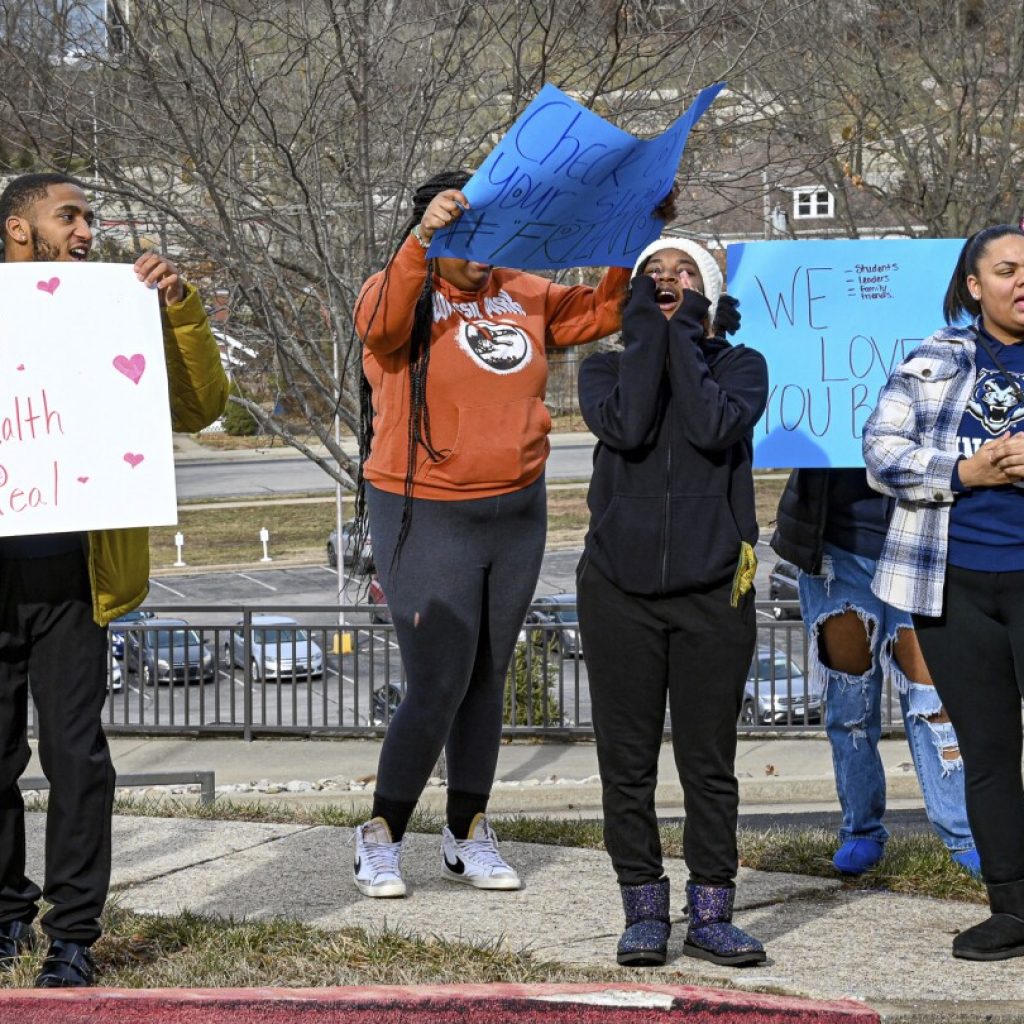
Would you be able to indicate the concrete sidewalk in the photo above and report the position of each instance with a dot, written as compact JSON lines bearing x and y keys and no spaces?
{"x":825,"y":940}
{"x":533,"y":777}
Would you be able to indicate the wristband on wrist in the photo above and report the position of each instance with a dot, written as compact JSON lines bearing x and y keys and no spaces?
{"x":418,"y":235}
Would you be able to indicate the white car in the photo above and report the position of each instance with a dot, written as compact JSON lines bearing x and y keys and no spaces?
{"x":279,"y":649}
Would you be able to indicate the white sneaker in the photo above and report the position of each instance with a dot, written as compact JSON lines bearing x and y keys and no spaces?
{"x":475,"y":861}
{"x":377,"y":868}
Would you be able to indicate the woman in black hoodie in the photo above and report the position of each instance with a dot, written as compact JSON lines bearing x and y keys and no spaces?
{"x":665,"y":593}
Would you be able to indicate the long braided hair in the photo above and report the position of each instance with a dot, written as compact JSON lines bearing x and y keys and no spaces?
{"x":419,"y":363}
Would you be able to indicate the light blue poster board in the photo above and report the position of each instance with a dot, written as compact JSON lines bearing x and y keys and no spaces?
{"x":833,"y":318}
{"x":564,"y":188}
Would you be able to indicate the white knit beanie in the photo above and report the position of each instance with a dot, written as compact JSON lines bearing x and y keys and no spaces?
{"x":706,"y":264}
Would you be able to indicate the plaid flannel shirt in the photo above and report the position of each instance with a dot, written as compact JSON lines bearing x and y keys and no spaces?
{"x":910,"y":449}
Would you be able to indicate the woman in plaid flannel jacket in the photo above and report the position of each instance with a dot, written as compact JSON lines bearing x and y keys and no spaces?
{"x":942,"y":441}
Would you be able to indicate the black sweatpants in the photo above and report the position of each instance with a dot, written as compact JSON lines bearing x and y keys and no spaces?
{"x":49,"y":641}
{"x":975,"y":651}
{"x":694,"y":651}
{"x":464,"y":581}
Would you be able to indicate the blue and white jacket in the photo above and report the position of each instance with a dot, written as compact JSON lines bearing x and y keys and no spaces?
{"x":910,"y":450}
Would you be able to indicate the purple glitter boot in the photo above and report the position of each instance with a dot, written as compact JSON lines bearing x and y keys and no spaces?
{"x":711,"y":935}
{"x":644,"y":943}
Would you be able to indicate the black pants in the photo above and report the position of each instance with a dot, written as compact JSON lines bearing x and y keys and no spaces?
{"x":693,"y":650}
{"x":464,"y":581}
{"x":975,"y":652}
{"x":49,"y":641}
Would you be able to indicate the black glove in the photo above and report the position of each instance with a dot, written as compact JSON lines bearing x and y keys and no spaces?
{"x":641,"y":287}
{"x":727,"y":316}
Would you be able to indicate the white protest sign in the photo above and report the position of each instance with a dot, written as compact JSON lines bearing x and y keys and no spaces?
{"x":85,"y":428}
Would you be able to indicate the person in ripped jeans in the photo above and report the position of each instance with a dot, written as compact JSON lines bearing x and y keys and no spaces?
{"x":832,"y":525}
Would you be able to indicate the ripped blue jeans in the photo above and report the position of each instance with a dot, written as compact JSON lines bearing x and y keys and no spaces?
{"x":853,"y":709}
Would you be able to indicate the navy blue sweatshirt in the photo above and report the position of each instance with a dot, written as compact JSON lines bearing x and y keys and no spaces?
{"x":672,"y":495}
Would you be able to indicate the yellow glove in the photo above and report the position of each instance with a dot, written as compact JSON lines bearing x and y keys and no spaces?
{"x":746,"y":567}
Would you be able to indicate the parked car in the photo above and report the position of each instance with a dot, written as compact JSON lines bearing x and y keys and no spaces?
{"x":384,"y":703}
{"x":782,"y":586}
{"x":778,"y":693}
{"x":279,"y":649}
{"x":378,"y":602}
{"x":556,"y":612}
{"x":168,"y":651}
{"x":359,"y":562}
{"x":117,"y":629}
{"x":115,"y":677}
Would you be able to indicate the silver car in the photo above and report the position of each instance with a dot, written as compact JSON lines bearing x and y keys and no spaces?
{"x":778,"y":693}
{"x":361,"y":561}
{"x":280,"y":649}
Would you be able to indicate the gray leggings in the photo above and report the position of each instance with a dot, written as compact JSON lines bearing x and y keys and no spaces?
{"x":458,"y":596}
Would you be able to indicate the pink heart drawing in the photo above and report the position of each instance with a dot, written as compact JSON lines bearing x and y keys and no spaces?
{"x":83,"y":479}
{"x":49,"y":286}
{"x":20,"y":366}
{"x":132,"y":459}
{"x":133,"y":367}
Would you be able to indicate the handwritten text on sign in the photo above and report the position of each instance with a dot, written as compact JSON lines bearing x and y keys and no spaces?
{"x":564,"y":188}
{"x":833,"y":319}
{"x":85,"y":432}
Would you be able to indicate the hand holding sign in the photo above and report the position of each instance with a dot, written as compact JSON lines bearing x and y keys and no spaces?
{"x":564,"y":188}
{"x":154,"y":270}
{"x":444,"y":209}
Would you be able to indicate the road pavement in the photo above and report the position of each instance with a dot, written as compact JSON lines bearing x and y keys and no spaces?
{"x":265,"y":472}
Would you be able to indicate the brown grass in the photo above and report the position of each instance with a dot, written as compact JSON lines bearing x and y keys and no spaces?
{"x":227,"y":532}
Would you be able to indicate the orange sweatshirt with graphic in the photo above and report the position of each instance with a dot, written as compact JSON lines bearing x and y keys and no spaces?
{"x":487,"y":374}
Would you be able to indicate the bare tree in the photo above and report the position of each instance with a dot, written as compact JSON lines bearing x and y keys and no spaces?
{"x":273,"y":146}
{"x":909,"y":111}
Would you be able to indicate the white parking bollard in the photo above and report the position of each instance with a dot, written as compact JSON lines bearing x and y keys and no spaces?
{"x":179,"y":543}
{"x":264,"y":538}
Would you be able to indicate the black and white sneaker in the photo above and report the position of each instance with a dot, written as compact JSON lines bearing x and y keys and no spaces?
{"x":377,"y":868}
{"x":475,"y":861}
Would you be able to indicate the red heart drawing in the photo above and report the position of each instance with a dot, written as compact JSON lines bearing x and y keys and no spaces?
{"x":20,"y":366}
{"x":83,"y":479}
{"x":133,"y":367}
{"x":132,"y":459}
{"x":49,"y":286}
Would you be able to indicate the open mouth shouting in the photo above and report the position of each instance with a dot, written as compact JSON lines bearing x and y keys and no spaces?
{"x":667,"y":297}
{"x":79,"y":252}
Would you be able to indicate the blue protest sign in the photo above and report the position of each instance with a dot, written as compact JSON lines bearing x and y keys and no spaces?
{"x":833,"y":318}
{"x":564,"y":188}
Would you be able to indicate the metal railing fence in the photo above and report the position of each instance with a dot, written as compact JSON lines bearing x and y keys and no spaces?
{"x":228,"y":670}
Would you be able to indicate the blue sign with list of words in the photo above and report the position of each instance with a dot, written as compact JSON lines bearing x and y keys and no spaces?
{"x":833,"y":319}
{"x":564,"y":188}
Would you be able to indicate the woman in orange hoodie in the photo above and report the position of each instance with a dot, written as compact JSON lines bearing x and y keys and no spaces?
{"x":454,"y":356}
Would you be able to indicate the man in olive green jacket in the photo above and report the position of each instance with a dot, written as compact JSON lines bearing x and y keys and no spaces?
{"x":57,"y":594}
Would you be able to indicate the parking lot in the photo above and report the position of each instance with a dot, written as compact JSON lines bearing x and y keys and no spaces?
{"x":360,"y":675}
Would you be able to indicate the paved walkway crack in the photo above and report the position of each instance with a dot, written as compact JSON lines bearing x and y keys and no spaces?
{"x":126,"y":886}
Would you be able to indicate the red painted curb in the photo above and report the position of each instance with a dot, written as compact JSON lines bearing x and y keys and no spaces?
{"x":426,"y":1004}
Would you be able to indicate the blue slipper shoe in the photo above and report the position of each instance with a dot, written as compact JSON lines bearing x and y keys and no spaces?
{"x":968,"y":860}
{"x":856,"y":856}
